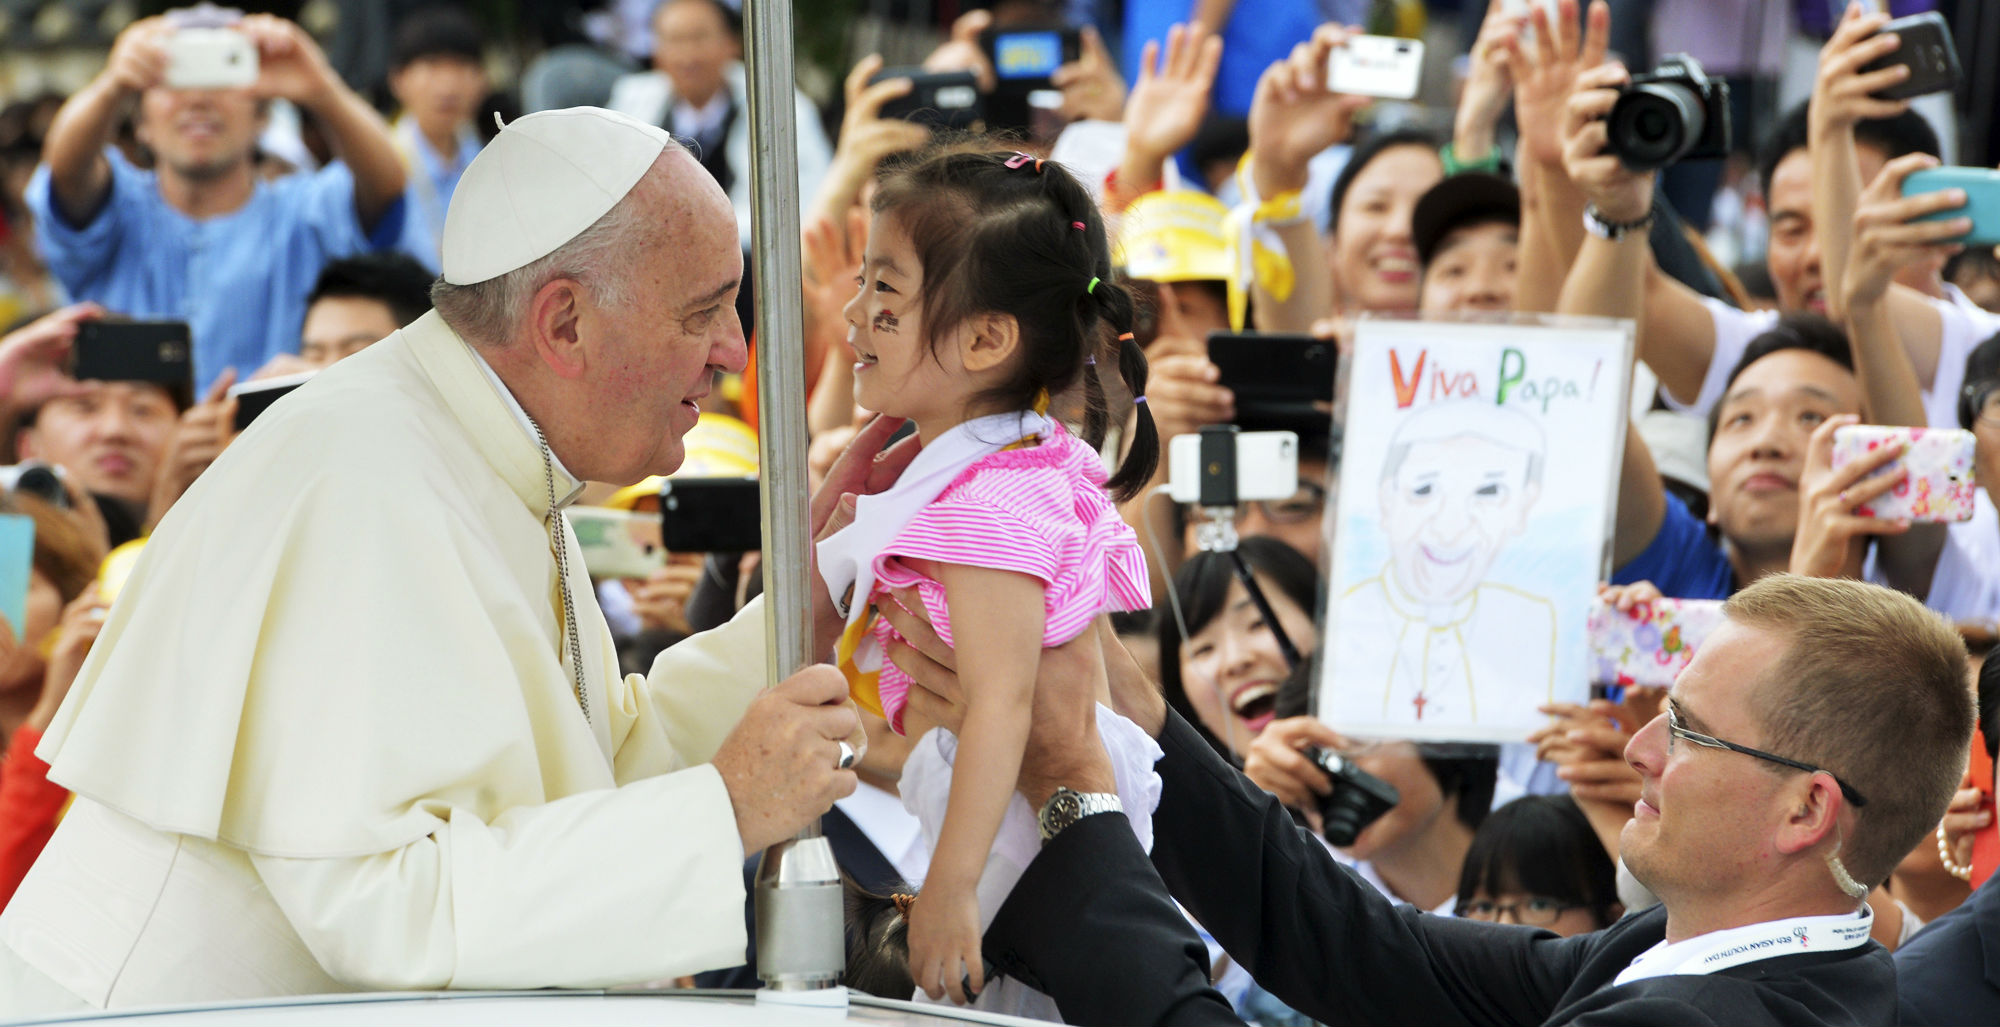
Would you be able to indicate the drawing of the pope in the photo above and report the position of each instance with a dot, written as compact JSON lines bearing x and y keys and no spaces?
{"x":1429,"y":635}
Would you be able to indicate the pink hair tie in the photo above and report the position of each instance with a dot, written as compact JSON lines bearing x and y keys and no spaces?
{"x":1019,"y":160}
{"x":1078,"y":225}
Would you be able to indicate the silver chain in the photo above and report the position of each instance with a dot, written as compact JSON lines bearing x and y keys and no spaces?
{"x":561,"y":546}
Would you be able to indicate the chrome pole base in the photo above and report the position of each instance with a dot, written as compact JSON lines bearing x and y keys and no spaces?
{"x":801,"y":936}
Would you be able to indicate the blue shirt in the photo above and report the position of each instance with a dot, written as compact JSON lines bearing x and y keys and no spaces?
{"x":240,"y":280}
{"x":1684,"y":560}
{"x":432,"y":182}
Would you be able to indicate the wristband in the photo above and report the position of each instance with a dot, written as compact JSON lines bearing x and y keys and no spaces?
{"x":1598,"y":225}
{"x":1453,"y":165}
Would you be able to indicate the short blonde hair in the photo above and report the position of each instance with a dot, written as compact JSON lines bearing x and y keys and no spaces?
{"x":1872,"y":687}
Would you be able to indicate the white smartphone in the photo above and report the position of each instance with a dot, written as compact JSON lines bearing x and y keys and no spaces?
{"x":1267,"y":466}
{"x":617,"y":543}
{"x":1383,"y":66}
{"x":210,"y":58}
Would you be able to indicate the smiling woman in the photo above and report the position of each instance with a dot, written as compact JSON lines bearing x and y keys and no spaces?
{"x":1224,"y":678}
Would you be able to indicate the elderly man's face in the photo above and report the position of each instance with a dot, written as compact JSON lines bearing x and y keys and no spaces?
{"x":692,"y":45}
{"x":200,"y":134}
{"x":661,"y":352}
{"x":1704,"y":815}
{"x":1449,"y":508}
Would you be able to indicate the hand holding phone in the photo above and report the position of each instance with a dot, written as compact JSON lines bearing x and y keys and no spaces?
{"x":1024,"y":57}
{"x":937,"y":99}
{"x":210,"y":58}
{"x":1982,"y":199}
{"x":1926,"y":47}
{"x":1940,"y":487}
{"x":1281,"y":382}
{"x":1649,"y":645}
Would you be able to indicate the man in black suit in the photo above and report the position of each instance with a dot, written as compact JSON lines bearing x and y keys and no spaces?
{"x":1950,"y":972}
{"x":1814,"y":739}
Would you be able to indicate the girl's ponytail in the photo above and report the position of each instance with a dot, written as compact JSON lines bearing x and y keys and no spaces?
{"x":1142,"y":456}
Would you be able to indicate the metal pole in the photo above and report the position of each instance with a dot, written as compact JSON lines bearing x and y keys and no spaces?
{"x":800,"y":936}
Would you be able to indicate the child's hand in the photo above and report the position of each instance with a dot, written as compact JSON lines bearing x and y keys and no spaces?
{"x":944,"y":944}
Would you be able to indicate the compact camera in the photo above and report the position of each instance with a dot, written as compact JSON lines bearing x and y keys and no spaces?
{"x":1673,"y":113}
{"x":210,"y":58}
{"x":1357,"y":800}
{"x":37,"y":479}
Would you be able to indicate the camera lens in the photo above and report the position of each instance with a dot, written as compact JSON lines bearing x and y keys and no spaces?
{"x":1654,"y":124}
{"x":41,"y":482}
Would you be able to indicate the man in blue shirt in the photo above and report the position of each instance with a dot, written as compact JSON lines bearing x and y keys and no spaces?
{"x":201,"y":238}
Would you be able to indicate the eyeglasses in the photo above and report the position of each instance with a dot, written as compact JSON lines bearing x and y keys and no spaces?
{"x":1303,"y":505}
{"x":1534,"y":911}
{"x":1675,"y":729}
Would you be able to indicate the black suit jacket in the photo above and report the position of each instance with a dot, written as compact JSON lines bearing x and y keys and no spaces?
{"x":1088,"y":925}
{"x":1950,"y":972}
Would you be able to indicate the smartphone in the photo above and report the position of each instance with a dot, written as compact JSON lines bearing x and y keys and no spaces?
{"x":711,"y":515}
{"x":1982,"y":199}
{"x":210,"y":58}
{"x":939,"y":99}
{"x":1383,"y":66}
{"x":617,"y":543}
{"x":1940,"y":487}
{"x":1025,"y":56}
{"x":1282,"y":382}
{"x":135,"y":351}
{"x":1220,"y":466}
{"x":253,"y":398}
{"x":17,"y":557}
{"x":1648,"y":646}
{"x":1925,"y":46}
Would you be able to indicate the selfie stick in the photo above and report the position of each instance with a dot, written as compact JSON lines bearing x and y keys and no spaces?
{"x":1217,"y":533}
{"x":801,"y":937}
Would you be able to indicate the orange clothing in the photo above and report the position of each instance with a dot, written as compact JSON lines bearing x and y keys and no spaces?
{"x":30,"y":805}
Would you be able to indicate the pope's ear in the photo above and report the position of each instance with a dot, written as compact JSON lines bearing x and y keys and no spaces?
{"x":987,"y":341}
{"x":557,"y":326}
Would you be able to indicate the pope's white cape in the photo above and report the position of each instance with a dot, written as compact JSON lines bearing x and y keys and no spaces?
{"x":334,"y":678}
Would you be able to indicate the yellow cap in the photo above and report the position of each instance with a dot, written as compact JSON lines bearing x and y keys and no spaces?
{"x":1174,"y":236}
{"x":718,"y":446}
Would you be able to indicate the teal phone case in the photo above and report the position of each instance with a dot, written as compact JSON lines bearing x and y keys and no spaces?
{"x":17,"y":557}
{"x":1982,"y":199}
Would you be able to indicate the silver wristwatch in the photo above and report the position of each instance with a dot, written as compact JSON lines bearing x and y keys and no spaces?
{"x":1067,"y":806}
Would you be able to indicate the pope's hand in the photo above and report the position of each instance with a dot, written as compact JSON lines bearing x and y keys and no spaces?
{"x":778,"y":763}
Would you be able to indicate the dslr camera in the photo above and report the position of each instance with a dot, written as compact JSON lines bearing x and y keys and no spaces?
{"x":1673,"y":113}
{"x":1357,"y":800}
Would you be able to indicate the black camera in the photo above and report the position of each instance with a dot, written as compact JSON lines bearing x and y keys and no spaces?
{"x":1673,"y":113}
{"x":1357,"y":800}
{"x":35,"y":478}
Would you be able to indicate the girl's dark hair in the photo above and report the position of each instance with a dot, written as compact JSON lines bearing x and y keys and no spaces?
{"x":1364,"y":154}
{"x":878,"y":943}
{"x":1542,"y":845}
{"x":1007,"y":234}
{"x":1202,"y":586}
{"x":1982,"y":367}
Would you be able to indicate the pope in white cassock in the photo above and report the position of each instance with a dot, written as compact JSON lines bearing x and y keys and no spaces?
{"x":355,"y":722}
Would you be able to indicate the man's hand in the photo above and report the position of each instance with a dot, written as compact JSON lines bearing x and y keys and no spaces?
{"x":661,"y":598}
{"x":1091,"y":86}
{"x":962,"y":52}
{"x":1887,"y":238}
{"x":1277,"y":765}
{"x":34,"y":358}
{"x":76,"y":632}
{"x":1063,"y":748}
{"x":865,"y":469}
{"x":1842,"y":93}
{"x":1293,"y":116}
{"x":138,"y":59}
{"x":1548,"y":74}
{"x":778,"y":763}
{"x":1832,"y":530}
{"x":865,"y":137}
{"x":1171,"y":96}
{"x":1489,"y":86}
{"x":1618,"y":192}
{"x":290,"y":66}
{"x":203,"y":433}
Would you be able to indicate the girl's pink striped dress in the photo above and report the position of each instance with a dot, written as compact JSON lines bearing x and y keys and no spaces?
{"x":1039,"y":510}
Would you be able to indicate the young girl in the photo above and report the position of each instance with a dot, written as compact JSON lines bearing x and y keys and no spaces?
{"x":985,"y":291}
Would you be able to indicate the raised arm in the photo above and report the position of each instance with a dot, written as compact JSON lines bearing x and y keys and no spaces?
{"x":1551,"y":205}
{"x":865,"y":139}
{"x":1165,"y":109}
{"x":1607,"y":280}
{"x":1293,"y":116}
{"x":74,"y":149}
{"x":1841,"y":97}
{"x":292,"y":67}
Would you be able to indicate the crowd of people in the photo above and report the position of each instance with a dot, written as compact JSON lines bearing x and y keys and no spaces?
{"x":354,"y":669}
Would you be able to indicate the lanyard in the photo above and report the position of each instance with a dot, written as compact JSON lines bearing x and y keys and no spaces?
{"x":1720,"y":950}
